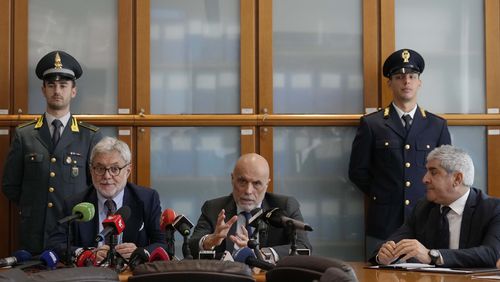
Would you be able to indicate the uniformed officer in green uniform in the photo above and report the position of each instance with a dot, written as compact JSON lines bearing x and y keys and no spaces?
{"x":49,"y":157}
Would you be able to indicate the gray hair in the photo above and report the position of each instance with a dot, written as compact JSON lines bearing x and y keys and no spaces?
{"x":454,"y":159}
{"x":109,"y":145}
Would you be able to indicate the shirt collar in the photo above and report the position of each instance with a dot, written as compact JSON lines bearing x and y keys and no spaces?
{"x":401,"y":112}
{"x":458,"y":205}
{"x":239,"y":210}
{"x":118,"y":199}
{"x":64,"y":119}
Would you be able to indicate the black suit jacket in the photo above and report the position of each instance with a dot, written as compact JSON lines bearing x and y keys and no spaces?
{"x":388,"y":165}
{"x":142,"y":227}
{"x":479,"y":233}
{"x":277,"y":238}
{"x":38,"y":176}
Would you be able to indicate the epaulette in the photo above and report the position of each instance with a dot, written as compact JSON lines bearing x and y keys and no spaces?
{"x":88,"y":126}
{"x":386,"y":112}
{"x":26,"y":123}
{"x":422,"y":111}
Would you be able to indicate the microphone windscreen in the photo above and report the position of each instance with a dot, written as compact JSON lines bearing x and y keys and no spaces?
{"x":167,"y":218}
{"x":159,"y":254}
{"x":50,"y":259}
{"x":242,"y":254}
{"x":124,"y":211}
{"x":22,"y":255}
{"x":86,"y":258}
{"x":86,"y":209}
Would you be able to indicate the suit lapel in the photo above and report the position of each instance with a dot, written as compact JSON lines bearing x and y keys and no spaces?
{"x":393,"y":121}
{"x":43,"y":135}
{"x":467,"y":223}
{"x":231,"y":210}
{"x":89,"y":229}
{"x":134,"y":222}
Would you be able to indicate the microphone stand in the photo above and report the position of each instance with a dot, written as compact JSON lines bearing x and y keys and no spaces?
{"x":68,"y":245}
{"x":293,"y":237}
{"x":253,"y":243}
{"x":170,"y":238}
{"x":113,"y":255}
{"x":186,"y":252}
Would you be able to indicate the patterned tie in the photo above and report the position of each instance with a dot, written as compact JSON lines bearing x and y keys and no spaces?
{"x":248,"y":215}
{"x":443,"y":240}
{"x":111,"y":206}
{"x":407,"y":119}
{"x":57,"y":132}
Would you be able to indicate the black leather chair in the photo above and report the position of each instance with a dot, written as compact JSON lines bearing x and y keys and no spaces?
{"x":310,"y":268}
{"x":192,"y":271}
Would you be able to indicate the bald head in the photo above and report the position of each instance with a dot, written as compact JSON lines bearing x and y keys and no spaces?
{"x":250,"y":179}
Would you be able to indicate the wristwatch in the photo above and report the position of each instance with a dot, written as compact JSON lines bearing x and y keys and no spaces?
{"x":435,"y":255}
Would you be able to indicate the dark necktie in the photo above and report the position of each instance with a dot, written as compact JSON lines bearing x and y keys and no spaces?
{"x":407,"y":119}
{"x":248,"y":215}
{"x":443,"y":240}
{"x":57,"y":132}
{"x":111,"y":207}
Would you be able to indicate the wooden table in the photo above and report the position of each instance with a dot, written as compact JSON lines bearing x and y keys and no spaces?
{"x":390,"y":275}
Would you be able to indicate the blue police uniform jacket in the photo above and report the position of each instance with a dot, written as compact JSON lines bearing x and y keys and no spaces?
{"x":388,"y":164}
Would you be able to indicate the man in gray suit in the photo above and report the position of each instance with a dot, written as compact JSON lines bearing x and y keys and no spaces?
{"x":456,"y":226}
{"x":249,"y":179}
{"x":48,"y":158}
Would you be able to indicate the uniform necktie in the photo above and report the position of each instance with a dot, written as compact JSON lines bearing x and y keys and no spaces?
{"x":57,"y":132}
{"x":443,"y":229}
{"x":111,"y":207}
{"x":248,"y":215}
{"x":407,"y":119}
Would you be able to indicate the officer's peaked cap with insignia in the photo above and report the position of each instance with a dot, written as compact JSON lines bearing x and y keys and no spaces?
{"x":57,"y":64}
{"x":403,"y":61}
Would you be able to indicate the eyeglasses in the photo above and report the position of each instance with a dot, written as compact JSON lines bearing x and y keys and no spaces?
{"x":113,"y":171}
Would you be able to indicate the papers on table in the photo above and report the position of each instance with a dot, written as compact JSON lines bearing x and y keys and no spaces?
{"x":431,"y":268}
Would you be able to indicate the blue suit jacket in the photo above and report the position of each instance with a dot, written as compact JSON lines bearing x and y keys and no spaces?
{"x":479,"y":244}
{"x":274,"y":237}
{"x":142,"y":227}
{"x":388,"y":165}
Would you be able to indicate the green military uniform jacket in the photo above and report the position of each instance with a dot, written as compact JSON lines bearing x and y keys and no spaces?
{"x":38,"y":177}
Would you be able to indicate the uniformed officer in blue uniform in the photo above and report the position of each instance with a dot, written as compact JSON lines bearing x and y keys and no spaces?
{"x":48,"y":158}
{"x":389,"y":151}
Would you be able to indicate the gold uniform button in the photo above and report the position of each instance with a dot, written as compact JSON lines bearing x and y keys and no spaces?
{"x":428,"y":146}
{"x":407,"y":164}
{"x":53,"y":160}
{"x":52,"y":174}
{"x":386,"y":144}
{"x":50,"y":205}
{"x":51,"y":189}
{"x":407,"y":202}
{"x":407,"y":183}
{"x":374,"y":198}
{"x":407,"y":147}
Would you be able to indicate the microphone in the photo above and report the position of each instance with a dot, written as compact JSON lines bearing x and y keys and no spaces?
{"x":138,"y":256}
{"x":183,"y":225}
{"x":278,"y":218}
{"x":82,"y":212}
{"x":167,"y":219}
{"x":114,"y":223}
{"x":86,"y":258}
{"x":47,"y":258}
{"x":159,"y":254}
{"x":247,"y":256}
{"x":16,"y":258}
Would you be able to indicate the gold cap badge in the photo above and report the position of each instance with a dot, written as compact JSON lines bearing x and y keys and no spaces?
{"x":57,"y":61}
{"x":405,"y":55}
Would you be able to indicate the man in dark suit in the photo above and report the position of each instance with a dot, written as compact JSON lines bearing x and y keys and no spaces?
{"x":249,"y":179}
{"x":388,"y":153}
{"x":110,"y":168}
{"x":455,"y":226}
{"x":48,"y":158}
